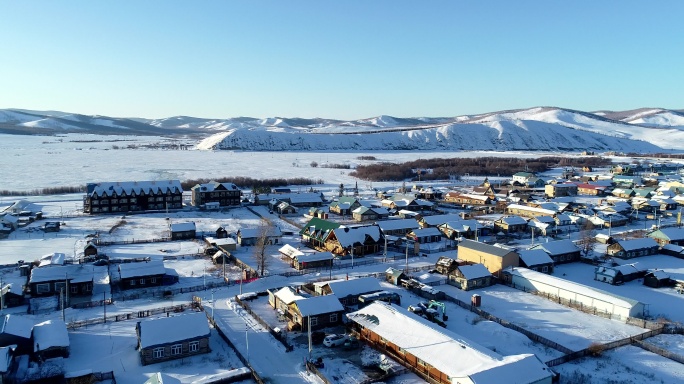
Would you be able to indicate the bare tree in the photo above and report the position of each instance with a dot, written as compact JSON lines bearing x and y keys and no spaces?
{"x":261,"y":244}
{"x":587,"y":239}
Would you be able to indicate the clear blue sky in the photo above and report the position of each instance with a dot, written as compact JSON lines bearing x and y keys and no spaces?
{"x":338,"y":59}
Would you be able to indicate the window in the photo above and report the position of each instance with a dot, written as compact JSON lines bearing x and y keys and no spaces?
{"x":333,"y":318}
{"x":158,"y":353}
{"x":96,"y":202}
{"x":545,"y":268}
{"x":142,"y":281}
{"x":73,"y":288}
{"x":194,"y":346}
{"x":176,"y":349}
{"x":314,"y":321}
{"x":132,"y":282}
{"x":43,"y":288}
{"x":421,"y":362}
{"x":153,"y":280}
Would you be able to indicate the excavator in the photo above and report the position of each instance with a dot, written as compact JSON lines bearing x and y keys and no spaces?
{"x":431,"y":310}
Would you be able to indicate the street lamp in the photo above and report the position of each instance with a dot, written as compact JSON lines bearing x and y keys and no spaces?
{"x":213,"y":304}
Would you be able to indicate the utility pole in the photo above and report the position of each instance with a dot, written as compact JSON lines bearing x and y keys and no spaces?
{"x":104,"y":306}
{"x":407,"y":246}
{"x":212,"y":305}
{"x":61,"y":300}
{"x":352,"y":255}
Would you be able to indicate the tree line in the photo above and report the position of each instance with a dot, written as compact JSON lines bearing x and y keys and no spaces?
{"x":441,"y":169}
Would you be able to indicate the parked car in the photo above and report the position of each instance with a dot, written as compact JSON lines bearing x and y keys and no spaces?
{"x":334,"y":340}
{"x":351,"y":343}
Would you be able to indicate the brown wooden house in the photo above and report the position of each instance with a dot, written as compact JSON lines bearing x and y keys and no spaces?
{"x":175,"y":337}
{"x":439,"y":355}
{"x":142,"y":274}
{"x":320,"y":311}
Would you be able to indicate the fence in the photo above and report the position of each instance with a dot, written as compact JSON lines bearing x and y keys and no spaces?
{"x":225,"y":338}
{"x":128,"y":316}
{"x":99,"y":242}
{"x":600,"y":348}
{"x":277,"y":335}
{"x":164,"y":291}
{"x":660,"y":351}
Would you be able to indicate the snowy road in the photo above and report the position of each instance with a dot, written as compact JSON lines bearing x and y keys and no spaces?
{"x":266,"y":355}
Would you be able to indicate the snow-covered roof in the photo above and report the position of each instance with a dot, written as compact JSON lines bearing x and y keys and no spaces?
{"x":287,"y":295}
{"x":474,"y":271}
{"x":348,"y":236}
{"x":635,"y":244}
{"x":252,"y":233}
{"x":513,"y":220}
{"x":344,"y":288}
{"x":165,"y":330}
{"x":625,"y":269}
{"x":558,"y":247}
{"x":309,"y":257}
{"x":52,"y":259}
{"x":460,"y":225}
{"x":182,"y":227}
{"x":127,"y":187}
{"x":545,"y":219}
{"x":672,"y":234}
{"x":148,"y":268}
{"x":540,"y":211}
{"x":673,"y":248}
{"x":436,"y":220}
{"x":581,"y":289}
{"x":535,"y":257}
{"x":450,"y":353}
{"x":290,"y":251}
{"x":486,"y":248}
{"x":75,"y":273}
{"x":220,"y":242}
{"x":430,"y":231}
{"x":48,"y":334}
{"x":392,"y":225}
{"x":319,"y":305}
{"x":659,"y":274}
{"x":17,"y":325}
{"x":212,"y":185}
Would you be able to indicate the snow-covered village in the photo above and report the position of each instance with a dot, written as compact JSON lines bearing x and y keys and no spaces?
{"x":570,"y":275}
{"x":327,"y":192}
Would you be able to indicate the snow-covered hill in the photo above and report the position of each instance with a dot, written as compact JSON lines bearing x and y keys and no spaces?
{"x":540,"y":128}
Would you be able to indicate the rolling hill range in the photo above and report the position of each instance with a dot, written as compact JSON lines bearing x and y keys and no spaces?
{"x":645,"y":130}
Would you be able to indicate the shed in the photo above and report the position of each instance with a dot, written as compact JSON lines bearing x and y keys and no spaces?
{"x":619,"y":274}
{"x":495,"y":258}
{"x":182,"y":231}
{"x":51,"y":339}
{"x":617,"y":307}
{"x":657,"y":278}
{"x":16,"y":330}
{"x":395,"y":276}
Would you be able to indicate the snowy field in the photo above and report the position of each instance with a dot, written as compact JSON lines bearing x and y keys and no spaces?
{"x":68,"y":161}
{"x":60,"y":164}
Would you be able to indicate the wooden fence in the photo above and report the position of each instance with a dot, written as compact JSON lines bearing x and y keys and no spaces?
{"x":225,"y":338}
{"x":128,"y":316}
{"x":277,"y":335}
{"x":660,"y":351}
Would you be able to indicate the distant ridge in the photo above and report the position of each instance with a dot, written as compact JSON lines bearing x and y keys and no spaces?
{"x":541,"y":128}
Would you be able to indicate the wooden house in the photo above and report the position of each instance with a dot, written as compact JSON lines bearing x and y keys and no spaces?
{"x":348,"y":291}
{"x":495,"y":258}
{"x":50,"y":340}
{"x":368,"y":214}
{"x":174,"y":337}
{"x":221,"y":195}
{"x":16,"y":330}
{"x":395,"y":276}
{"x":627,"y":249}
{"x":141,"y":274}
{"x":344,"y":205}
{"x":315,"y":233}
{"x":619,"y":274}
{"x":425,"y":235}
{"x":307,"y":199}
{"x":473,"y":276}
{"x":90,"y":249}
{"x":285,"y":209}
{"x":133,"y":196}
{"x":282,"y":298}
{"x":560,"y":190}
{"x":657,"y":278}
{"x":445,"y":265}
{"x":591,"y":189}
{"x":560,"y":251}
{"x":468,"y":199}
{"x":354,"y":241}
{"x":438,"y":355}
{"x":510,"y":224}
{"x":313,"y":260}
{"x":437,"y":220}
{"x":665,"y":236}
{"x":528,"y":211}
{"x":182,"y":231}
{"x":250,"y":236}
{"x":74,"y":279}
{"x":12,"y":295}
{"x":536,"y":260}
{"x":319,"y":311}
{"x":398,"y":227}
{"x":457,"y":229}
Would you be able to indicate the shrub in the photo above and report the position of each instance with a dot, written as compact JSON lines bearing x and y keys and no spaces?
{"x":596,"y":349}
